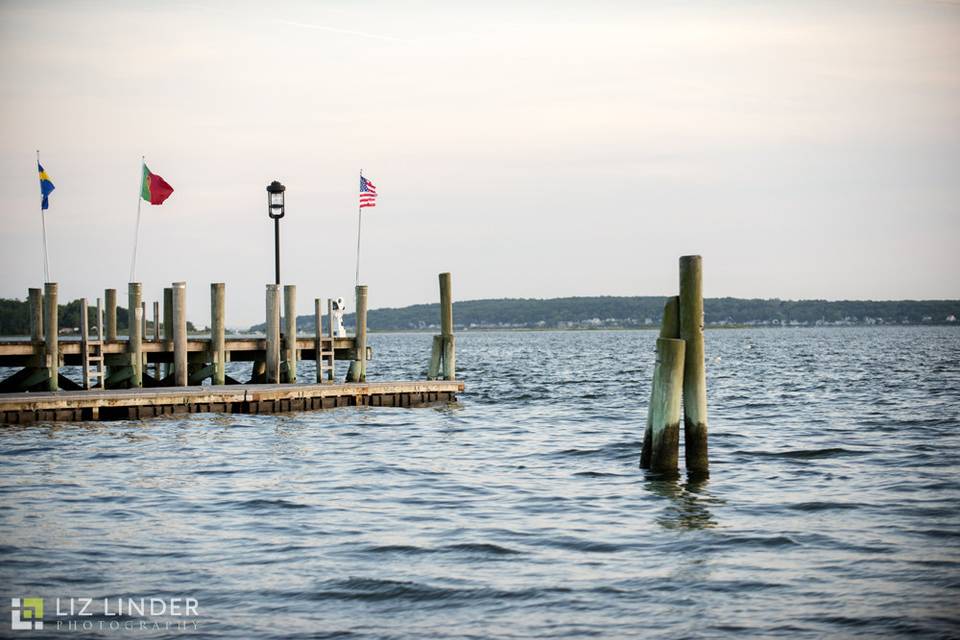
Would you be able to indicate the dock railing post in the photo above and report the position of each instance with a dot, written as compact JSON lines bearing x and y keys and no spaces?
{"x":290,"y":331}
{"x":273,"y":334}
{"x":135,"y":337}
{"x":665,"y":406}
{"x":167,"y":327}
{"x":217,"y":330}
{"x":36,"y":315}
{"x":669,"y":328}
{"x":180,"y":371}
{"x":51,"y":334}
{"x":446,"y":327}
{"x":110,"y":301}
{"x":694,"y":372}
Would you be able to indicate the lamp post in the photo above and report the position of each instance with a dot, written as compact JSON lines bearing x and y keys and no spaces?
{"x":275,"y":210}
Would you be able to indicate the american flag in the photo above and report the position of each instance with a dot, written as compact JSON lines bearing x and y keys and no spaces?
{"x":368,"y":193}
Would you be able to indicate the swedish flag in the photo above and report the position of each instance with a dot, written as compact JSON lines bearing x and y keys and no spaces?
{"x":46,"y":187}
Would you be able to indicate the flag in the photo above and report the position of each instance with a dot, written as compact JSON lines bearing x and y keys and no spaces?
{"x":153,"y":188}
{"x":368,"y":193}
{"x":46,"y":187}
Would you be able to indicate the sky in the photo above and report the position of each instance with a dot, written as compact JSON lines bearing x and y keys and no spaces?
{"x":806,"y":149}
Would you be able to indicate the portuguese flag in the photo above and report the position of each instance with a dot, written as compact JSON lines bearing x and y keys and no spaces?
{"x":153,"y":188}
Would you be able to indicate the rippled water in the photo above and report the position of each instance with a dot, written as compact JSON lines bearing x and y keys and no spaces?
{"x":833,"y":508}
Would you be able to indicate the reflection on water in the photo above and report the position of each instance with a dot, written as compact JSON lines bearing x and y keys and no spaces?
{"x":521,"y":512}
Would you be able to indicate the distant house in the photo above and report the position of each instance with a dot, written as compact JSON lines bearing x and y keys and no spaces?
{"x":951,"y":318}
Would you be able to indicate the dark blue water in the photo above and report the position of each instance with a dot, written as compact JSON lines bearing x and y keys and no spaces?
{"x":833,"y":509}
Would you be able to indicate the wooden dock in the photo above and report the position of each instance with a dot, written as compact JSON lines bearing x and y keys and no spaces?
{"x":132,"y":404}
{"x":140,"y":376}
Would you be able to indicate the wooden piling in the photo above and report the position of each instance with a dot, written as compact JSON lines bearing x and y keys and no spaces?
{"x":694,"y":372}
{"x":156,"y":336}
{"x":361,"y":318}
{"x":36,"y":315}
{"x":179,"y":310}
{"x":272,"y":373}
{"x":110,"y":301}
{"x":134,"y":332}
{"x":85,"y":343}
{"x":436,"y":357}
{"x":332,"y":373}
{"x":669,"y":328}
{"x":51,"y":335}
{"x":167,"y":326}
{"x":666,"y":405}
{"x":143,"y":320}
{"x":217,"y":332}
{"x":290,"y":331}
{"x":446,"y":327}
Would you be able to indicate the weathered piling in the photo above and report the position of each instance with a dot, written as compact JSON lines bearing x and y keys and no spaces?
{"x":85,"y":342}
{"x":134,"y":331}
{"x":36,"y":315}
{"x":272,"y":373}
{"x":51,"y":335}
{"x":290,"y":333}
{"x":446,"y":327}
{"x":694,"y":372}
{"x":167,"y":326}
{"x":179,"y":310}
{"x":156,"y":336}
{"x":665,"y":406}
{"x":217,"y":332}
{"x":669,"y":328}
{"x":436,"y":358}
{"x":143,"y":320}
{"x":110,"y":301}
{"x":359,"y":367}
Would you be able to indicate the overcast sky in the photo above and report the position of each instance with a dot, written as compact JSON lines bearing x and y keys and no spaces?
{"x":806,"y":149}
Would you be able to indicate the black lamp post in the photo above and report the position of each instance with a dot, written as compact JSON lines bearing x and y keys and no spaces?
{"x":275,"y":210}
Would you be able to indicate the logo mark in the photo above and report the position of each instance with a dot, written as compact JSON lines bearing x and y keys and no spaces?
{"x":26,"y":614}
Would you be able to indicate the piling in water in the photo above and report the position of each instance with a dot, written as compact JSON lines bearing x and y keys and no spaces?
{"x":289,"y":367}
{"x":134,"y":331}
{"x":217,"y":332}
{"x":51,"y":335}
{"x":694,"y":371}
{"x":669,"y":328}
{"x":181,"y":373}
{"x":110,"y":300}
{"x":36,"y":315}
{"x":445,"y":348}
{"x":665,"y":406}
{"x":167,"y":326}
{"x":272,"y":372}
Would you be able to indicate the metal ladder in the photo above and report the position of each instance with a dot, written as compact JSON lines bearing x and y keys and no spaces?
{"x":324,"y":347}
{"x":91,"y":348}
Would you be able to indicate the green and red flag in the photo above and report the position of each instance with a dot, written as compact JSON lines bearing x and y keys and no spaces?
{"x":153,"y":188}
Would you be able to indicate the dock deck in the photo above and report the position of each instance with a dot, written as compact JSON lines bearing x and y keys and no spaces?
{"x":121,"y":404}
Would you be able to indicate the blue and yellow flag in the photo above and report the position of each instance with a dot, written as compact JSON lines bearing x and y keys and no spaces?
{"x":46,"y":187}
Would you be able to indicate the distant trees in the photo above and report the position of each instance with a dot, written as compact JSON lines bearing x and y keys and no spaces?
{"x":15,"y":317}
{"x":639,"y":311}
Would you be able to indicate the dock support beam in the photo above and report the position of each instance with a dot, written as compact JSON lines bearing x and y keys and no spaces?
{"x":665,"y":406}
{"x":134,"y":332}
{"x":217,"y":330}
{"x":290,"y":332}
{"x":110,"y":300}
{"x":273,"y":334}
{"x":694,"y":372}
{"x":180,"y":372}
{"x":36,"y":315}
{"x":51,"y":334}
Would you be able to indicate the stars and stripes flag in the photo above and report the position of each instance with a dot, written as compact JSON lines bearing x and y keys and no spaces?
{"x":368,"y":193}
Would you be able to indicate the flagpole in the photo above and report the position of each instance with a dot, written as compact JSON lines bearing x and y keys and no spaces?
{"x":359,"y":221}
{"x":136,"y":232}
{"x":43,"y":224}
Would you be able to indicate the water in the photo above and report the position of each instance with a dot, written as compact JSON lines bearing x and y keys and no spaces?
{"x":832,"y":509}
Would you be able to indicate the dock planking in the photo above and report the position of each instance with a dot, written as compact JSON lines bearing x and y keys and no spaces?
{"x":127,"y":404}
